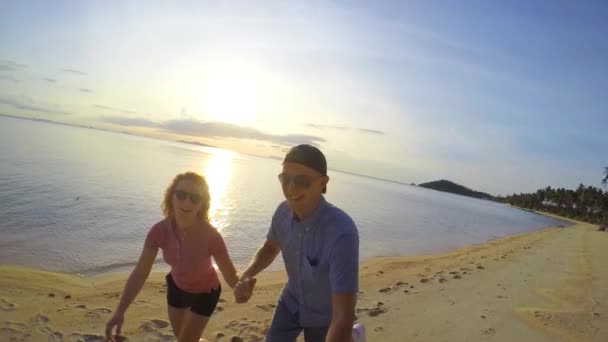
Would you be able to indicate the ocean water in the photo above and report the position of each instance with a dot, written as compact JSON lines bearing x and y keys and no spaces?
{"x":81,"y":201}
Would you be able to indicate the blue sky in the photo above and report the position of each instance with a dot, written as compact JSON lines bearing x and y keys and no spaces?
{"x":498,"y":96}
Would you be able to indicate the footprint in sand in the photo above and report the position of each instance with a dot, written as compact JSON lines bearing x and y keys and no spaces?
{"x":374,"y":311}
{"x":15,"y":325}
{"x":231,"y":324}
{"x":54,"y":336}
{"x":159,"y":323}
{"x":97,"y":314}
{"x":113,"y":295}
{"x":247,"y":328}
{"x":6,"y":306}
{"x":150,"y":331}
{"x":489,"y":332}
{"x":266,"y":307}
{"x":153,"y":325}
{"x":398,"y":286}
{"x":39,"y":324}
{"x":79,"y":337}
{"x":14,"y":331}
{"x":39,"y":319}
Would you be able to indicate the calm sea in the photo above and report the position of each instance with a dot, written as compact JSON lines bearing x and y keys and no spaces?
{"x":81,"y":201}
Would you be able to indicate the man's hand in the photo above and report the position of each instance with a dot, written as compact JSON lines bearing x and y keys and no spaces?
{"x":244,"y":289}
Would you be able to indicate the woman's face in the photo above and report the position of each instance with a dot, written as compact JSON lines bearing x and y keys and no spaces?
{"x":187,"y":200}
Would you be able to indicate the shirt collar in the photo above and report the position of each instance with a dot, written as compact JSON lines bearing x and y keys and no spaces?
{"x":315,"y":214}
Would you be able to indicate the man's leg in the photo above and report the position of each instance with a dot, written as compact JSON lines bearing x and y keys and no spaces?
{"x":315,"y":334}
{"x":285,"y":326}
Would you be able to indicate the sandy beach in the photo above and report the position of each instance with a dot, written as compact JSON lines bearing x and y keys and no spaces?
{"x":549,"y":285}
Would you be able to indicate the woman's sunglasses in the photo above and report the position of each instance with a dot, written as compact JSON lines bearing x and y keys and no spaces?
{"x":182,"y":195}
{"x":298,"y":181}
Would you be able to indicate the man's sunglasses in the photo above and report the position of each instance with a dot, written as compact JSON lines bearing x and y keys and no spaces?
{"x":298,"y":181}
{"x":182,"y":195}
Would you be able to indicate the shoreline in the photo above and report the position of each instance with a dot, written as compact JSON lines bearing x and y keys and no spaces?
{"x":535,"y":286}
{"x":126,"y":268}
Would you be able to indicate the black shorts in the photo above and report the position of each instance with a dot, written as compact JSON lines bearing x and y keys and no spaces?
{"x":200,"y":303}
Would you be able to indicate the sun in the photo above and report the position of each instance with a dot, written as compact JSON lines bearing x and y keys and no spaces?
{"x":230,"y":96}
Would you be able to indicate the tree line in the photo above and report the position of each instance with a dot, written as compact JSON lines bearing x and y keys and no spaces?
{"x":586,"y":203}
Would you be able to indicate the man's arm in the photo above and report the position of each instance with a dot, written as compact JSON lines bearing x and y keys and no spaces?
{"x":342,"y":317}
{"x":262,"y":258}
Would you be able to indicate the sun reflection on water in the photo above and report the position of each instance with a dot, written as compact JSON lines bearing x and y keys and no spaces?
{"x":218,"y":171}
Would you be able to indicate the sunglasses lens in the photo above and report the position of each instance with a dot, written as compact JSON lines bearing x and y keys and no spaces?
{"x":301,"y":181}
{"x":180,"y":195}
{"x":284,"y":179}
{"x":195,"y":198}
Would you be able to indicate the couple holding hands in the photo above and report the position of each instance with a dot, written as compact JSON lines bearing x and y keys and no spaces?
{"x":318,"y":241}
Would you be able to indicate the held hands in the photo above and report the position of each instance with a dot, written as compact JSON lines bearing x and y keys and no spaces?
{"x":244,"y":289}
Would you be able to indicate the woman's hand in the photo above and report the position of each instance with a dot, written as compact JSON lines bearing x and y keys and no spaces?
{"x":116,"y":321}
{"x":244,"y":290}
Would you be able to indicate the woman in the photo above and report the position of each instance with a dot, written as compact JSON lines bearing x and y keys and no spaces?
{"x":188,"y":242}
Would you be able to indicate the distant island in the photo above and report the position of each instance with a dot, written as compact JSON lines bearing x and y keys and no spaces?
{"x":451,"y":187}
{"x":195,"y":143}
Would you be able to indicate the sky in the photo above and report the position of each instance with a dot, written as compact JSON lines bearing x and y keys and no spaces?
{"x":502,"y":97}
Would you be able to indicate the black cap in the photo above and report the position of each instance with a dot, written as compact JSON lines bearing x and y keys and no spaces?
{"x":309,"y":156}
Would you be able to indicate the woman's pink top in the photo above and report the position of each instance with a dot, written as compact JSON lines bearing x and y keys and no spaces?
{"x":189,"y":258}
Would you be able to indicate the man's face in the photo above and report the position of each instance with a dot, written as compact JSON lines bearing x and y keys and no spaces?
{"x":302,"y":186}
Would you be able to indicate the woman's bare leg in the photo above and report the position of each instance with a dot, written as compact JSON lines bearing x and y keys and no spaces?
{"x":177,"y":317}
{"x":193,"y":327}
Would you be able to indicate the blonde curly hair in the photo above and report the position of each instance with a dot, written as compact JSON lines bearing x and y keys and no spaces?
{"x":167,"y":205}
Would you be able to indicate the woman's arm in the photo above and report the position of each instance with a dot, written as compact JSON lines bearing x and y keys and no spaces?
{"x":137,"y":278}
{"x":134,"y":284}
{"x":223,"y":261}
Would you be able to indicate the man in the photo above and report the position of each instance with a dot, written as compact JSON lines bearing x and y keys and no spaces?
{"x":320,"y":248}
